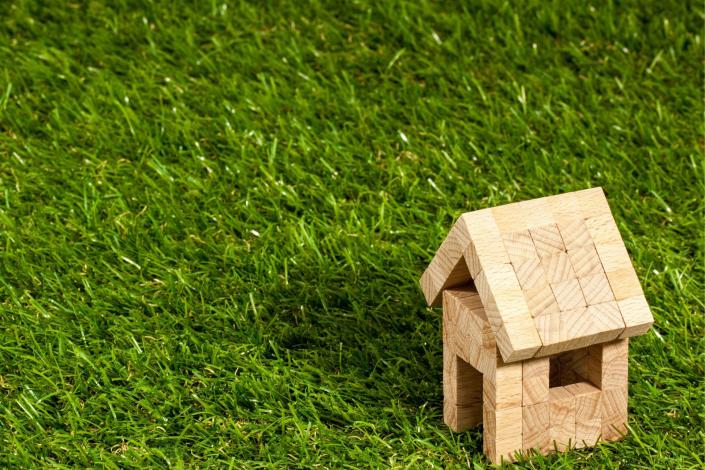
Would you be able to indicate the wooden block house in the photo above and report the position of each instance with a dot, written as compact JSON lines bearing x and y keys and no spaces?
{"x":539,"y":301}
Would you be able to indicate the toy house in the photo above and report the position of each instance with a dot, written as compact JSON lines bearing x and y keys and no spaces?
{"x":539,"y":302}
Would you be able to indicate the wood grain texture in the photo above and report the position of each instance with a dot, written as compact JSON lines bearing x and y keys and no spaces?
{"x":596,"y":289}
{"x":592,"y":202}
{"x":557,"y":267}
{"x":614,"y":413}
{"x":520,"y":247}
{"x":541,"y":300}
{"x":536,"y":434}
{"x":462,"y":393}
{"x":530,"y":273}
{"x":535,"y":374}
{"x":502,"y":436}
{"x":561,"y":418}
{"x":568,"y":294}
{"x":636,"y":315}
{"x":603,"y":229}
{"x":585,"y":261}
{"x":547,"y":239}
{"x":574,"y":233}
{"x":624,"y":283}
{"x":608,"y":364}
{"x":588,"y":413}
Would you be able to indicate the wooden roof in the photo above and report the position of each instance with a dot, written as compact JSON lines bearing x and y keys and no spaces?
{"x":552,"y":273}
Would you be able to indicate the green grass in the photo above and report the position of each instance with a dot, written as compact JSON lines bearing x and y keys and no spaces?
{"x":213,"y":218}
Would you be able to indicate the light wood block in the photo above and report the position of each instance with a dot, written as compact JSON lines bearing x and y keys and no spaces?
{"x":614,"y":413}
{"x":574,"y":233}
{"x":608,"y":364}
{"x":503,"y":387}
{"x":549,"y":330}
{"x":564,"y":207}
{"x":592,"y":202}
{"x":501,"y":295}
{"x":467,"y":330}
{"x":536,"y":433}
{"x":636,"y":314}
{"x":557,"y":267}
{"x":568,"y":294}
{"x":519,"y":246}
{"x":613,"y":256}
{"x":486,"y":239}
{"x":578,"y":328}
{"x":547,"y":239}
{"x":624,"y":283}
{"x":530,"y":273}
{"x":462,"y":393}
{"x":588,"y":413}
{"x":603,"y":229}
{"x":596,"y":324}
{"x":502,"y":434}
{"x":541,"y":300}
{"x":538,"y":213}
{"x":518,"y":340}
{"x":535,"y":381}
{"x":447,"y":268}
{"x":585,"y":261}
{"x":510,"y":218}
{"x":561,"y":418}
{"x":596,"y":289}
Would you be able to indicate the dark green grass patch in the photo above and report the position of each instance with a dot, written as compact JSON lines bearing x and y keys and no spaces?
{"x":213,"y":216}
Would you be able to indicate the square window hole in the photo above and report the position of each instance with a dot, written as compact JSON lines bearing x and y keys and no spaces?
{"x":568,"y":368}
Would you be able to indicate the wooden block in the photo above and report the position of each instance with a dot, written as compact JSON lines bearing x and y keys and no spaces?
{"x":614,"y":413}
{"x":596,"y":289}
{"x":503,"y":387}
{"x":574,"y":233}
{"x":501,"y":294}
{"x":538,"y":212}
{"x":549,"y":330}
{"x":547,"y":239}
{"x":502,"y":434}
{"x":536,"y":433}
{"x":596,"y":324}
{"x":568,"y":294}
{"x":592,"y":202}
{"x":469,"y":332}
{"x":608,"y":364}
{"x":447,"y":268}
{"x":486,"y":238}
{"x":585,"y":261}
{"x":624,"y":283}
{"x":561,"y":418}
{"x":518,"y":340}
{"x":578,"y":328}
{"x":588,"y":413}
{"x":564,"y":207}
{"x":530,"y":273}
{"x":541,"y":300}
{"x":462,"y":393}
{"x":603,"y":229}
{"x":519,"y":246}
{"x":613,"y":256}
{"x":636,"y":315}
{"x":510,"y":218}
{"x":557,"y":267}
{"x":535,"y":381}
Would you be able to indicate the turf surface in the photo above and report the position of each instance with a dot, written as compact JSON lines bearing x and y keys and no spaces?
{"x":213,"y":217}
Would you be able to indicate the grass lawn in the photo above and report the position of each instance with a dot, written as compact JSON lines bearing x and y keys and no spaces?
{"x":213,"y":217}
